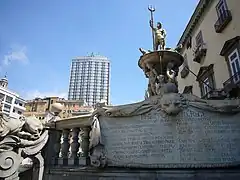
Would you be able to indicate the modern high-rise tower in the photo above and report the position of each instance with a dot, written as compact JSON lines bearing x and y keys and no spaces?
{"x":89,"y":79}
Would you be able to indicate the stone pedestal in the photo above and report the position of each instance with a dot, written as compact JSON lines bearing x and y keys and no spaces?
{"x":143,"y":174}
{"x":169,"y":131}
{"x":193,"y":138}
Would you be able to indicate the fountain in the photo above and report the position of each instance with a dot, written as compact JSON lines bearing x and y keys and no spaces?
{"x":151,"y":139}
{"x":167,"y":129}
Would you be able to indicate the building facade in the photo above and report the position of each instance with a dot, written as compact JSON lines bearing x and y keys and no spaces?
{"x":40,"y":107}
{"x":211,"y":50}
{"x":12,"y":104}
{"x":89,"y":79}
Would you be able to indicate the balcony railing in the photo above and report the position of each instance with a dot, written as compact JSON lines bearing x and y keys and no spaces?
{"x":199,"y":52}
{"x":232,"y":82}
{"x":223,"y":21}
{"x":69,"y":142}
{"x":215,"y":94}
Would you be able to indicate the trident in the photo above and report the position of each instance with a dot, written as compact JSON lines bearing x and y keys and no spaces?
{"x":152,"y":9}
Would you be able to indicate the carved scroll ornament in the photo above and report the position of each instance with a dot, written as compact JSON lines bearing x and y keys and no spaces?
{"x":19,"y":139}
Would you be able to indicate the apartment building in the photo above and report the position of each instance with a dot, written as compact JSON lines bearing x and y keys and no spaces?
{"x":89,"y":79}
{"x":12,"y":103}
{"x":40,"y":107}
{"x":211,"y":50}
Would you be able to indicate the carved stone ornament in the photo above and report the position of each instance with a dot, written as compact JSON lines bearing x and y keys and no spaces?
{"x":116,"y":127}
{"x":97,"y":153}
{"x":19,"y":139}
{"x":171,"y":104}
{"x":97,"y":156}
{"x":9,"y":163}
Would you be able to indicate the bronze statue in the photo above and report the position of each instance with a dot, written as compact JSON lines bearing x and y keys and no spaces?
{"x":159,"y":34}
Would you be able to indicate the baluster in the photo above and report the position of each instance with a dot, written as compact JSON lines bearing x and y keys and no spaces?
{"x":85,"y":141}
{"x":80,"y":142}
{"x":61,"y":142}
{"x":65,"y":146}
{"x":70,"y":142}
{"x":57,"y":146}
{"x":75,"y":145}
{"x":51,"y":153}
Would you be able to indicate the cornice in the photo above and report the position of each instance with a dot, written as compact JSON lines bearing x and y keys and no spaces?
{"x":197,"y":14}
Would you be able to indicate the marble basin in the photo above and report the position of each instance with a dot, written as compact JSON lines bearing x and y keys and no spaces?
{"x":153,"y":59}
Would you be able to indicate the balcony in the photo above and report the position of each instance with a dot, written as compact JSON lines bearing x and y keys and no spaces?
{"x":199,"y":52}
{"x":223,"y":21}
{"x":232,"y":82}
{"x":216,"y":94}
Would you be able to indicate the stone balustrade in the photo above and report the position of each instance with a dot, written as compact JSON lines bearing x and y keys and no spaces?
{"x":69,"y":141}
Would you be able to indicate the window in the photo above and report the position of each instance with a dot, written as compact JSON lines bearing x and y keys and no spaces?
{"x":2,"y":96}
{"x":230,"y":51}
{"x":221,"y":8}
{"x":188,"y":90}
{"x":234,"y":62}
{"x":185,"y":70}
{"x":6,"y":108}
{"x":224,"y":16}
{"x":199,"y":39}
{"x":206,"y":86}
{"x":205,"y":78}
{"x":9,"y":99}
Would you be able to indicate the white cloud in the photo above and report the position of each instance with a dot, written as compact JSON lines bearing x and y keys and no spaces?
{"x":16,"y":54}
{"x":36,"y":93}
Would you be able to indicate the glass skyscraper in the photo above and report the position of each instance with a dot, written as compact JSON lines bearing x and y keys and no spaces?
{"x":89,"y":79}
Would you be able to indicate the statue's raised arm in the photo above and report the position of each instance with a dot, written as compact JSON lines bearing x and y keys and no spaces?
{"x":151,"y":25}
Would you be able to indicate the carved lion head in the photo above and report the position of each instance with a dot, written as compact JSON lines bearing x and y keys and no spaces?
{"x":172,"y":103}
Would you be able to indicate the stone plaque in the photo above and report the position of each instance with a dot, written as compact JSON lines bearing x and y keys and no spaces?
{"x":193,"y":138}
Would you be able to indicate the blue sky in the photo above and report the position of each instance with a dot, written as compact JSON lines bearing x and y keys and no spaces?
{"x":38,"y":39}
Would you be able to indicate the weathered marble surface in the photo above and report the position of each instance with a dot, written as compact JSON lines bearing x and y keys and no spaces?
{"x":193,"y":138}
{"x":198,"y":134}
